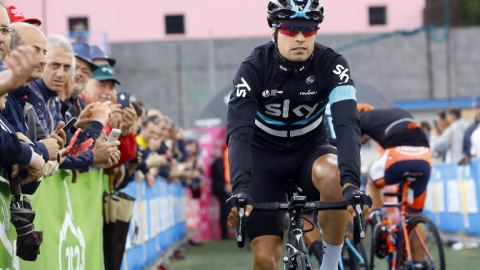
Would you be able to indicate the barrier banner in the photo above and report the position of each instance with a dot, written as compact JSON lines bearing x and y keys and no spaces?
{"x":160,"y":215}
{"x":8,"y":248}
{"x":453,"y":200}
{"x":70,"y":216}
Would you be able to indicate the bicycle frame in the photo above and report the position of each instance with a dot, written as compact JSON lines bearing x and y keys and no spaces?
{"x":295,"y":245}
{"x":400,"y":233}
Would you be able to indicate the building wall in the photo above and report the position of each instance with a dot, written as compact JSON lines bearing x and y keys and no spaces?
{"x":122,"y":21}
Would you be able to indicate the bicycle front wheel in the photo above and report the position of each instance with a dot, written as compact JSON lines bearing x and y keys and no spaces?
{"x":425,"y":245}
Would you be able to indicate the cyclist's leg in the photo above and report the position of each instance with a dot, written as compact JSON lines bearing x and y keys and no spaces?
{"x":265,"y":229}
{"x":376,"y":181}
{"x":326,"y":179}
{"x":267,"y":252}
{"x":320,"y":179}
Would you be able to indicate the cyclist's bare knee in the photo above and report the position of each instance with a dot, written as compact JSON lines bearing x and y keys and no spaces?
{"x":267,"y":252}
{"x":326,"y":178}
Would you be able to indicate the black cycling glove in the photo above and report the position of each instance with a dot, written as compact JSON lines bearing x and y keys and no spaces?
{"x":233,"y":201}
{"x":349,"y":193}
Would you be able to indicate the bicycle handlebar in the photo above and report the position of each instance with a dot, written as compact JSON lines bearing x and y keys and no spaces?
{"x":358,"y":232}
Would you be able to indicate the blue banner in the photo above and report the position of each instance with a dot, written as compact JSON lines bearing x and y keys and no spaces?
{"x":160,"y":216}
{"x":453,"y":197}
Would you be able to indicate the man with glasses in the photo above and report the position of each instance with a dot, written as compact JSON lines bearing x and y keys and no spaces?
{"x":275,"y":131}
{"x":23,"y":58}
{"x":23,"y":61}
{"x":6,"y":34}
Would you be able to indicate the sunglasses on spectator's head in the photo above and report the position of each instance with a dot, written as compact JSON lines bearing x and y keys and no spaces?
{"x":292,"y":30}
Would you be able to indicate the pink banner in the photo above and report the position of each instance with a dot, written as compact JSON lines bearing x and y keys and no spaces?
{"x":211,"y":144}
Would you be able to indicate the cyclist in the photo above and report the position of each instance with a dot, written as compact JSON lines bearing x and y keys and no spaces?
{"x":406,"y":150}
{"x":275,"y":130}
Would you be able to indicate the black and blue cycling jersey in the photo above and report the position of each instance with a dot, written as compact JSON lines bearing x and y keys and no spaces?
{"x":279,"y":106}
{"x":391,"y":127}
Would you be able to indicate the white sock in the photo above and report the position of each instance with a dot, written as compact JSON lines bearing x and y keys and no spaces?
{"x":331,"y":256}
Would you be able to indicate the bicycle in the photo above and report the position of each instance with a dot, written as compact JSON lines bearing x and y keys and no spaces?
{"x":297,"y":257}
{"x":418,"y":228}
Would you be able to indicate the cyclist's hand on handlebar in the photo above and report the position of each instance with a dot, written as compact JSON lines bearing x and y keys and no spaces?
{"x":349,"y":193}
{"x":231,"y":206}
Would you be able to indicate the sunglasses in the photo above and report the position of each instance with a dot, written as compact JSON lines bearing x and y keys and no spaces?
{"x":292,"y":30}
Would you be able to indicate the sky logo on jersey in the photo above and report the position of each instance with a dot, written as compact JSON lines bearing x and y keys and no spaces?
{"x":310,"y":79}
{"x":242,"y":88}
{"x":283,"y":109}
{"x":341,"y":71}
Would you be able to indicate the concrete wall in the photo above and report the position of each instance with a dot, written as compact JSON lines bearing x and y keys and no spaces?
{"x":184,"y":75}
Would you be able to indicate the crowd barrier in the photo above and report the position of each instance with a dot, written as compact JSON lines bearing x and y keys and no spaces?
{"x":71,"y":218}
{"x":452,"y":197}
{"x":160,"y":215}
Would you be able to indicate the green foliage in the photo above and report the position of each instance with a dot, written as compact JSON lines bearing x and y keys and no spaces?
{"x":469,"y":12}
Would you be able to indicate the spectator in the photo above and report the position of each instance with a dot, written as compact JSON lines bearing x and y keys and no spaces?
{"x":5,"y":42}
{"x":440,"y":124}
{"x":101,"y":85}
{"x":148,"y":141}
{"x":60,"y":58}
{"x":426,"y":128}
{"x":54,"y":77}
{"x":100,"y":88}
{"x":451,"y":140}
{"x":83,"y":70}
{"x":141,"y":115}
{"x":471,"y":140}
{"x":17,"y":111}
{"x":15,"y":152}
{"x":101,"y":58}
{"x":23,"y":59}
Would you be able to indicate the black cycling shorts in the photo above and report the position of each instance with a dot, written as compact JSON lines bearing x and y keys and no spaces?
{"x":270,"y":173}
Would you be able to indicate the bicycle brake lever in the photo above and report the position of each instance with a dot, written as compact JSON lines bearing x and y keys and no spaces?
{"x":358,"y":232}
{"x":242,"y":203}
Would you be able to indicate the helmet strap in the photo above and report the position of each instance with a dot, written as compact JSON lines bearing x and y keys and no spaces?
{"x":275,"y":37}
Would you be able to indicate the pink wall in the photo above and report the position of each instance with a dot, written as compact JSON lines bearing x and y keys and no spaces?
{"x":125,"y":20}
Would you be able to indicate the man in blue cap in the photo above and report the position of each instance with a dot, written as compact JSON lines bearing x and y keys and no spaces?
{"x":469,"y":137}
{"x":101,"y":58}
{"x":84,"y":68}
